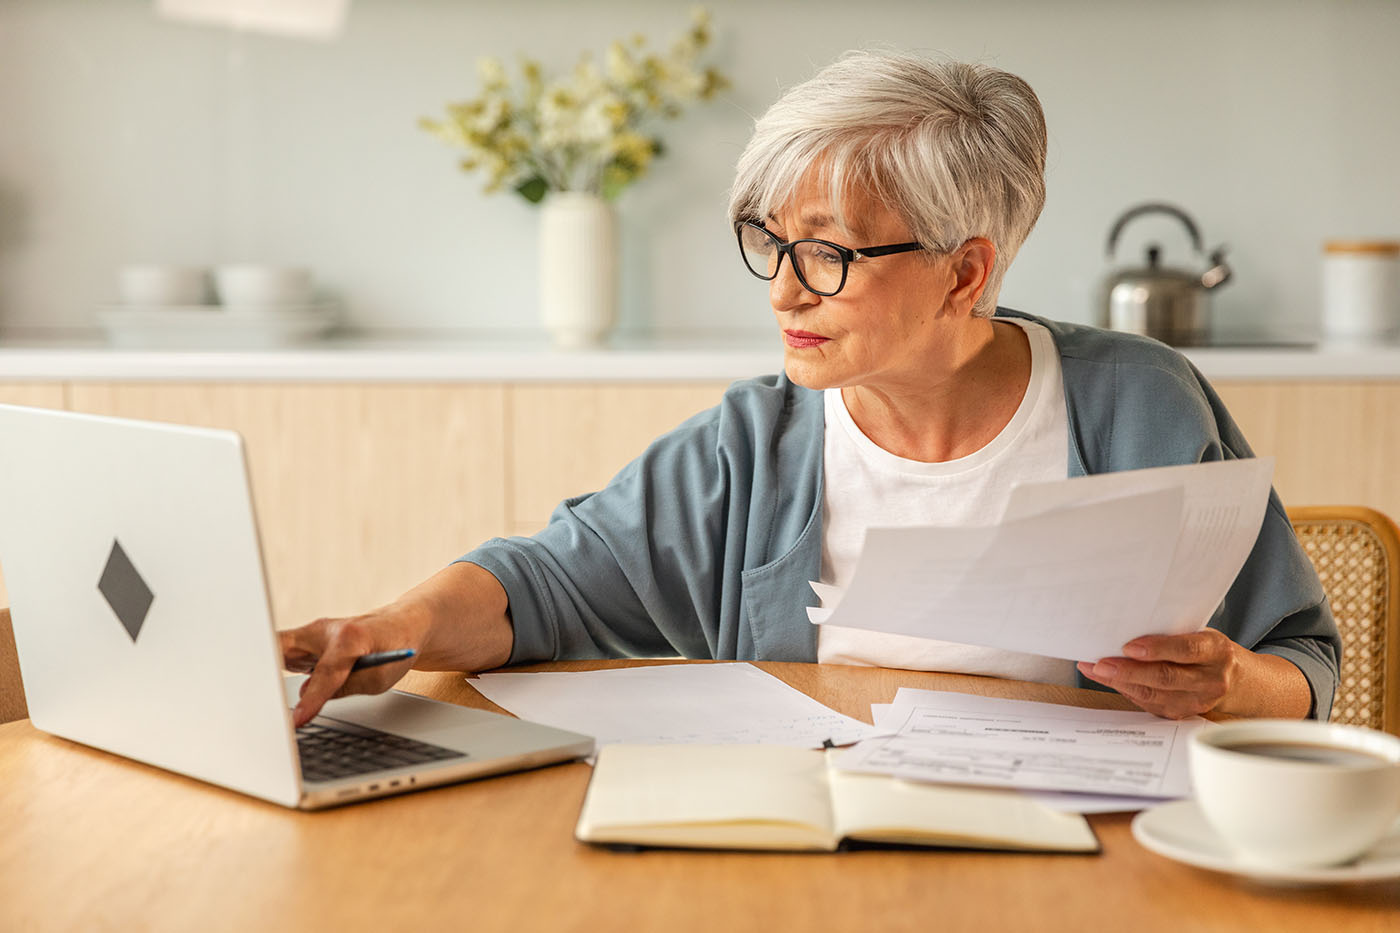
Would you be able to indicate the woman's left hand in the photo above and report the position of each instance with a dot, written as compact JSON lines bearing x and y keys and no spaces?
{"x":1173,"y":676}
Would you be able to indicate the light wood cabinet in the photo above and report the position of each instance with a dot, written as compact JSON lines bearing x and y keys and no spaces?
{"x":35,"y":394}
{"x":1334,"y":443}
{"x":363,"y":490}
{"x":568,"y":439}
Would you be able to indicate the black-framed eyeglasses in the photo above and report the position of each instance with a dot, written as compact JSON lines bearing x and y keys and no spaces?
{"x":821,"y":265}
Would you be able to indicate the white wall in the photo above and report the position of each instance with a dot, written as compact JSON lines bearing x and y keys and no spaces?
{"x":124,"y":137}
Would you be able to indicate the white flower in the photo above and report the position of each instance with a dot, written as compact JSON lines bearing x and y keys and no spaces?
{"x":492,"y":73}
{"x":622,"y":67}
{"x":585,"y":130}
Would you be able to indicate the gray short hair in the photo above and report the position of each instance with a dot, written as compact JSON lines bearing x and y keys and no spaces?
{"x":955,"y":150}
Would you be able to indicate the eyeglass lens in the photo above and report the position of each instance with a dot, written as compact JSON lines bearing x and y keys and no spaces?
{"x":821,"y":268}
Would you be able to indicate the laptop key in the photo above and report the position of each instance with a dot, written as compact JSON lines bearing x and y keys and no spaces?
{"x":330,"y":749}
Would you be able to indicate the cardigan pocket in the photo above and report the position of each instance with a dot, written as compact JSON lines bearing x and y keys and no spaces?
{"x":776,"y":597}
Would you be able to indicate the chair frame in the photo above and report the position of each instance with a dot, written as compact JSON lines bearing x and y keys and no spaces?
{"x":12,"y":704}
{"x":1388,"y":535}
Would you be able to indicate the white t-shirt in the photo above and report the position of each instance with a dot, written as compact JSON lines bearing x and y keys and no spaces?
{"x":866,"y":485}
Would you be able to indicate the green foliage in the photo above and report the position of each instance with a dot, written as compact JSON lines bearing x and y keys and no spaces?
{"x":533,"y":189}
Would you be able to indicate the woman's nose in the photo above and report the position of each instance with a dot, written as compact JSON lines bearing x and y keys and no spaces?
{"x":786,"y":293}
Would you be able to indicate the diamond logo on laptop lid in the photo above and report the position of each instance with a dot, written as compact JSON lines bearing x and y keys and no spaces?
{"x":125,"y":591}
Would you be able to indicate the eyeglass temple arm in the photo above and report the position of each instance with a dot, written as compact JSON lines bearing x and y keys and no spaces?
{"x":873,"y":251}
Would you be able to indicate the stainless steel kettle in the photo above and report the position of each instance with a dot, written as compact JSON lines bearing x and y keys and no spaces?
{"x":1171,"y":305}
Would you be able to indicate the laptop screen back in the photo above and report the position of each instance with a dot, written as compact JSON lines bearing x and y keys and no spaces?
{"x":141,"y":616}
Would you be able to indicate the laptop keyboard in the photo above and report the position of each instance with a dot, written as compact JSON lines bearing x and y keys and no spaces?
{"x":331,"y":749}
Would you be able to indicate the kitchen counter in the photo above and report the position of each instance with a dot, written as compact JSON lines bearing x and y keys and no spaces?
{"x":458,"y":358}
{"x":392,"y":358}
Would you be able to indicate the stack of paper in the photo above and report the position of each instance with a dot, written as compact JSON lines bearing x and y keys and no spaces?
{"x":707,"y":704}
{"x":1073,"y":759}
{"x":1074,"y":570}
{"x":1099,"y":760}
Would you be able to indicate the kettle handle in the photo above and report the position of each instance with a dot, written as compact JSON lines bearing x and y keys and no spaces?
{"x":1154,"y":208}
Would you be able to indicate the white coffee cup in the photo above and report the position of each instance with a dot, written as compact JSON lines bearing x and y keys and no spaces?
{"x":1296,"y":794}
{"x":146,"y":284}
{"x":256,"y":286}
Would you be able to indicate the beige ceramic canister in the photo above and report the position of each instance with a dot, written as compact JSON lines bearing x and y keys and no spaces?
{"x":1360,"y":291}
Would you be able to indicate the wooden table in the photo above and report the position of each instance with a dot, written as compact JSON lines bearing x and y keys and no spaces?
{"x":91,"y":841}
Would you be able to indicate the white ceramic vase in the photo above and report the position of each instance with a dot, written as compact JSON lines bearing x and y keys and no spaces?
{"x":578,"y":268}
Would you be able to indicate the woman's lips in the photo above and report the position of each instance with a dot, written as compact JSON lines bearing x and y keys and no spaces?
{"x":801,"y":339}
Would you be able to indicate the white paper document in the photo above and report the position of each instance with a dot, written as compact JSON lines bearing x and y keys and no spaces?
{"x":1223,"y":506}
{"x":711,"y":704}
{"x":1076,"y":568}
{"x":953,"y":738}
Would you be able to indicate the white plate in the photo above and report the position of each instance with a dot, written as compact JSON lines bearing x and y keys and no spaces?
{"x":1179,"y":831}
{"x":214,"y":326}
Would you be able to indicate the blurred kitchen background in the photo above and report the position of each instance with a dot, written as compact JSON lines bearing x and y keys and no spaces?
{"x":128,"y":137}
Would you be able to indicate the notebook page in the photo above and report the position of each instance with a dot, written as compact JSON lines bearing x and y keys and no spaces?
{"x":697,"y":795}
{"x":876,"y":808}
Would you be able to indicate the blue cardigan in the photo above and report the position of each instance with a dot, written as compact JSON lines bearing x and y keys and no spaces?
{"x":703,"y":546}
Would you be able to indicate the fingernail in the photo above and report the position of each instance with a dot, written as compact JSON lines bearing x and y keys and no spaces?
{"x":1134,"y":650}
{"x":1105,"y":669}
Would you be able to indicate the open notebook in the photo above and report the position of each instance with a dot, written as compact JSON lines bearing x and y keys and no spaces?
{"x":774,"y":797}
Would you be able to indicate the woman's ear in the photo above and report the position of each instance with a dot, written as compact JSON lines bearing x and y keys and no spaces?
{"x":972,"y":265}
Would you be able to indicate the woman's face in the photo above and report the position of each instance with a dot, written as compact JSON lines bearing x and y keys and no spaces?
{"x":891,"y":326}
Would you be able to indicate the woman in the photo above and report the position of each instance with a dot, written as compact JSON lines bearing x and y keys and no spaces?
{"x":907,"y":398}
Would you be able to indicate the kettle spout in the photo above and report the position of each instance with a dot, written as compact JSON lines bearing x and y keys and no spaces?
{"x":1218,"y":273}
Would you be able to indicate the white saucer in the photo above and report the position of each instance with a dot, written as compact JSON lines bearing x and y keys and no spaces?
{"x":1179,"y":831}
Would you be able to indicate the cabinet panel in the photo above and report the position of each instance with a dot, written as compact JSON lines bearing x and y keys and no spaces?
{"x":361,"y":491}
{"x":36,"y":395}
{"x":1335,"y":442}
{"x":571,"y":439}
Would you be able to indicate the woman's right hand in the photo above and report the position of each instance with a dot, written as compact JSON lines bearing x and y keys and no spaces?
{"x":455,"y":620}
{"x":327,"y":648}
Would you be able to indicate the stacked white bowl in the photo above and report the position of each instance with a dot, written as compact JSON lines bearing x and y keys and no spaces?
{"x":235,"y":305}
{"x":258,"y":287}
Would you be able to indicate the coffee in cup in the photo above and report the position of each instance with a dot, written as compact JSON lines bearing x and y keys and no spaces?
{"x":1296,"y":794}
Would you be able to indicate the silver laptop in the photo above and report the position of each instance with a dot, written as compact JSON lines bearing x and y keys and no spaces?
{"x":130,"y":552}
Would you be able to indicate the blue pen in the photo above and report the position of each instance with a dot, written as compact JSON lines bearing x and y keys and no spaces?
{"x":381,"y":657}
